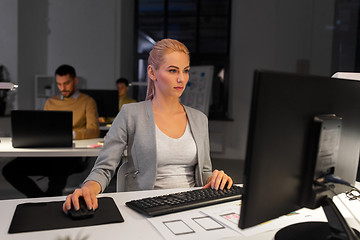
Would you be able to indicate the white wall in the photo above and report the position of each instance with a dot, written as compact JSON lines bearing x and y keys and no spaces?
{"x":94,"y":36}
{"x":83,"y":33}
{"x":8,"y":36}
{"x":271,"y":35}
{"x":32,"y":47}
{"x":9,"y":43}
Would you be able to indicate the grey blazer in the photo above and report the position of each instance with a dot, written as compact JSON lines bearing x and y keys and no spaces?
{"x":134,"y":128}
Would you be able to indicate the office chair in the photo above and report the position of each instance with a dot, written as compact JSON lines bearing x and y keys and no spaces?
{"x":120,"y":178}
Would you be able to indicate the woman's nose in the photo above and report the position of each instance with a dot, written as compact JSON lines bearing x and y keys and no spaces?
{"x":180,"y":78}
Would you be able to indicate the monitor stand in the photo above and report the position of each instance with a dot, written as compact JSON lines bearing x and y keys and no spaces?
{"x":335,"y":229}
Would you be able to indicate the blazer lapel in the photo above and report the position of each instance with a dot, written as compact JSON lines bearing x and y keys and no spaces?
{"x":195,"y":130}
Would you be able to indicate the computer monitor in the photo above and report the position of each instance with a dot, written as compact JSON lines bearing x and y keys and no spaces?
{"x":107,"y":101}
{"x":289,"y":112}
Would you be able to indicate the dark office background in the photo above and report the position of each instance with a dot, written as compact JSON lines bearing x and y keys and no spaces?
{"x":100,"y":38}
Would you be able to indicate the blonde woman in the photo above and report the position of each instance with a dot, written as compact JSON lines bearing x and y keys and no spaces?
{"x":167,"y":142}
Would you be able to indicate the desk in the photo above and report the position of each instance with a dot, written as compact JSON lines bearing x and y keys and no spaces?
{"x":136,"y":226}
{"x":80,"y":149}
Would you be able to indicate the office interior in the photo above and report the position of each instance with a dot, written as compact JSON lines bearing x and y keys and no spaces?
{"x":97,"y":38}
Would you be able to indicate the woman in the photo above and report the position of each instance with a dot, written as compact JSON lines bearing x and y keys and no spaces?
{"x":167,"y":143}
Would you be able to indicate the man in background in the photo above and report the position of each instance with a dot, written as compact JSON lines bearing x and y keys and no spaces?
{"x":85,"y":123}
{"x":57,"y":169}
{"x":122,"y":85}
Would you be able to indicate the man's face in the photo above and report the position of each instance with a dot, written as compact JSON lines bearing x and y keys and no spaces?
{"x":122,"y":89}
{"x":66,"y":84}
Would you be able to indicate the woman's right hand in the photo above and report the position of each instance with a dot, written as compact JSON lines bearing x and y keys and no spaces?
{"x":88,"y":191}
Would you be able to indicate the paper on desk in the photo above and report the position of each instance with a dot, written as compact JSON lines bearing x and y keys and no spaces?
{"x":228,"y":214}
{"x":353,"y":206}
{"x":190,"y":225}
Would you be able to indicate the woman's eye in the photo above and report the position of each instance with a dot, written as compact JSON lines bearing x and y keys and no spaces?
{"x":186,"y":71}
{"x":172,"y":70}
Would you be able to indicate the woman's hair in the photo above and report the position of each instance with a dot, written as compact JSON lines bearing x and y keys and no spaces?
{"x":156,"y":58}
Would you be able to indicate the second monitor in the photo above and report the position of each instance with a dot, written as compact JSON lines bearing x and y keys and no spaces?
{"x":107,"y":101}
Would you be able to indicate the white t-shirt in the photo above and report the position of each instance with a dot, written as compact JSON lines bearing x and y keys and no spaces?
{"x":176,"y":159}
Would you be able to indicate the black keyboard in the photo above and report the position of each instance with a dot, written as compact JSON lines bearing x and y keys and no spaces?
{"x":176,"y":202}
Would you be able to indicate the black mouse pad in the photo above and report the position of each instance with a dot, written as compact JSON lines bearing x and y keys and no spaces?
{"x":29,"y":217}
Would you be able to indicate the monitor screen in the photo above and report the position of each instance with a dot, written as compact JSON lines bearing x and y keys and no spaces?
{"x":107,"y":101}
{"x":281,"y":140}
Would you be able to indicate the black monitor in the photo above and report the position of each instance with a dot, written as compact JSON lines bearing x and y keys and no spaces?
{"x":289,"y":116}
{"x":107,"y":101}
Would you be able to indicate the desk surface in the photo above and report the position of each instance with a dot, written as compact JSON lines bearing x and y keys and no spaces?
{"x":136,"y":226}
{"x":80,"y":149}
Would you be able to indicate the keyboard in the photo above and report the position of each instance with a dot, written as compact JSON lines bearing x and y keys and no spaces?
{"x":181,"y":201}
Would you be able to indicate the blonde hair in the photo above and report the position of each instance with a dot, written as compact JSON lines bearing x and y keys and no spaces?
{"x":156,"y":58}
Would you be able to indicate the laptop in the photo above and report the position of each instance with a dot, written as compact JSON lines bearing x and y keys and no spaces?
{"x":38,"y":128}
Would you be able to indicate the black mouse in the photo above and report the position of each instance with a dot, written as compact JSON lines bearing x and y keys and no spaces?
{"x":83,"y":211}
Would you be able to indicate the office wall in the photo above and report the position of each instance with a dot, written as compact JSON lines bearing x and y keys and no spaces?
{"x":37,"y":36}
{"x":32,"y":48}
{"x":97,"y":38}
{"x":274,"y":35}
{"x":8,"y":39}
{"x":82,"y":33}
{"x":23,"y":46}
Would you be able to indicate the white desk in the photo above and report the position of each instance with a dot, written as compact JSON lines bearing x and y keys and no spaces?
{"x":80,"y":149}
{"x":136,"y":226}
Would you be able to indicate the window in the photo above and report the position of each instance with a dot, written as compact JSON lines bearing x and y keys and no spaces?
{"x":202,"y":25}
{"x":346,"y":38}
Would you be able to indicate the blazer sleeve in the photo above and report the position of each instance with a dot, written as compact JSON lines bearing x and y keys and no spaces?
{"x":111,"y":153}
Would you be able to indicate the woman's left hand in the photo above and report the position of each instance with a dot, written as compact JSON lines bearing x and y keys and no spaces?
{"x":219,"y":179}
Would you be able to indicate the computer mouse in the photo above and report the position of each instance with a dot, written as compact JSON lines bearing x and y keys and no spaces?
{"x":83,"y":211}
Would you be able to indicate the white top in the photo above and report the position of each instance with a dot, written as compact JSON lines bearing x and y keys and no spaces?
{"x":176,"y":159}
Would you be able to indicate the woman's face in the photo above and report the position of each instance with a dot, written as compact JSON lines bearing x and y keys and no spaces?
{"x":172,"y":75}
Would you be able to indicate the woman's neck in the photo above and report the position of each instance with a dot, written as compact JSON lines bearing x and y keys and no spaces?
{"x":169,"y":106}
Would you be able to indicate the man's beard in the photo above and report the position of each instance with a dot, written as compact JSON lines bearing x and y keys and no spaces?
{"x":70,"y":93}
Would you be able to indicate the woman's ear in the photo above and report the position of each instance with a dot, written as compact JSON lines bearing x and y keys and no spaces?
{"x":151,"y":72}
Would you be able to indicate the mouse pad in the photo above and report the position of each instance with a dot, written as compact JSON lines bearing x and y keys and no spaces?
{"x":29,"y":217}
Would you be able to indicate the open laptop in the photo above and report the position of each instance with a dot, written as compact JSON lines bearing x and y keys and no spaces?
{"x":37,"y":128}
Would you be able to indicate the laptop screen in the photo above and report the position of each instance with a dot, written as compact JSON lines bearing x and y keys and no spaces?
{"x":38,"y":128}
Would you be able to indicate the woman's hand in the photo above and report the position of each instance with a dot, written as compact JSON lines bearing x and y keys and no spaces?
{"x":88,"y":191}
{"x":218,"y":179}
